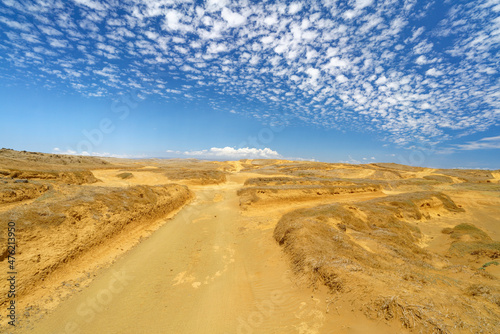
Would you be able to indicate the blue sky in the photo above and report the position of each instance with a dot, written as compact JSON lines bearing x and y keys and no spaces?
{"x":359,"y":81}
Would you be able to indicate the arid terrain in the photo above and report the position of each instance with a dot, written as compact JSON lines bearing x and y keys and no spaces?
{"x":252,"y":246}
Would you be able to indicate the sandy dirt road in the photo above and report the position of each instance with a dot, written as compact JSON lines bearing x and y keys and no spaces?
{"x":202,"y":272}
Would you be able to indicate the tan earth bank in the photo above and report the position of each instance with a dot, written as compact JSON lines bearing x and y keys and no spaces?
{"x":249,"y":246}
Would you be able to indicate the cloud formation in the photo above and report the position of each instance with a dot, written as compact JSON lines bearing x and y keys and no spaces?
{"x":57,"y":150}
{"x":481,"y":144}
{"x":230,"y":153}
{"x":377,"y":66}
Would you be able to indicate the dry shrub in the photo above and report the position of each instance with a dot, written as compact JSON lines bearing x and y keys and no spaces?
{"x":481,"y":248}
{"x":484,"y":291}
{"x":125,"y":176}
{"x":447,"y":230}
{"x":470,"y":230}
{"x":390,"y":308}
{"x":479,"y":243}
{"x":410,"y":316}
{"x":478,"y":290}
{"x":493,"y":252}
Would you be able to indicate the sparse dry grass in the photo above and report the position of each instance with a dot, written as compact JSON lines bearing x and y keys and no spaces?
{"x":325,"y":245}
{"x":23,"y":159}
{"x":439,"y":178}
{"x":468,"y":239}
{"x":470,"y":230}
{"x":290,"y":181}
{"x":298,"y":192}
{"x":196,"y":176}
{"x":11,"y":191}
{"x":73,"y":221}
{"x":66,"y":176}
{"x":125,"y":175}
{"x":468,"y":175}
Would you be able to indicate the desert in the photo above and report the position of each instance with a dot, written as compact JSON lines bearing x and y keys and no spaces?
{"x":249,"y":167}
{"x":107,"y":245}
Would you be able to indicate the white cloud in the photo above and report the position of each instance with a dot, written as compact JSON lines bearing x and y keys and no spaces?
{"x":232,"y":153}
{"x":351,"y":160}
{"x":341,"y":78}
{"x":360,"y":4}
{"x":175,"y":21}
{"x":47,"y":30}
{"x":314,"y":73}
{"x":215,"y":4}
{"x":217,"y":48}
{"x":90,"y":4}
{"x":295,"y":7}
{"x":30,"y":38}
{"x":433,"y":72}
{"x":107,"y":48}
{"x":481,"y":144}
{"x":58,"y":43}
{"x":423,"y":47}
{"x":15,"y":24}
{"x":173,"y":18}
{"x":421,"y":60}
{"x":57,"y":150}
{"x":337,"y":62}
{"x":233,"y":19}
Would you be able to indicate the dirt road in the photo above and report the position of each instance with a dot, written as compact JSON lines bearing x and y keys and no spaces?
{"x":204,"y":271}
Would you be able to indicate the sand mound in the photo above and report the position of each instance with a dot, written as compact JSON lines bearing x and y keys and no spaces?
{"x":63,"y":228}
{"x":20,"y":159}
{"x":12,"y":191}
{"x":283,"y":181}
{"x":363,"y":250}
{"x":69,"y":177}
{"x":125,"y":175}
{"x":201,"y":177}
{"x":398,"y":167}
{"x":469,"y":175}
{"x":468,"y":239}
{"x":189,"y":172}
{"x":275,"y":194}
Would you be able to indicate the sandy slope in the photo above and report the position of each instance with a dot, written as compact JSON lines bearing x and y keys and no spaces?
{"x":202,"y":273}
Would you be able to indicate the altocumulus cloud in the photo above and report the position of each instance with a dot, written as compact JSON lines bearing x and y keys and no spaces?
{"x":231,"y":153}
{"x":408,"y":70}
